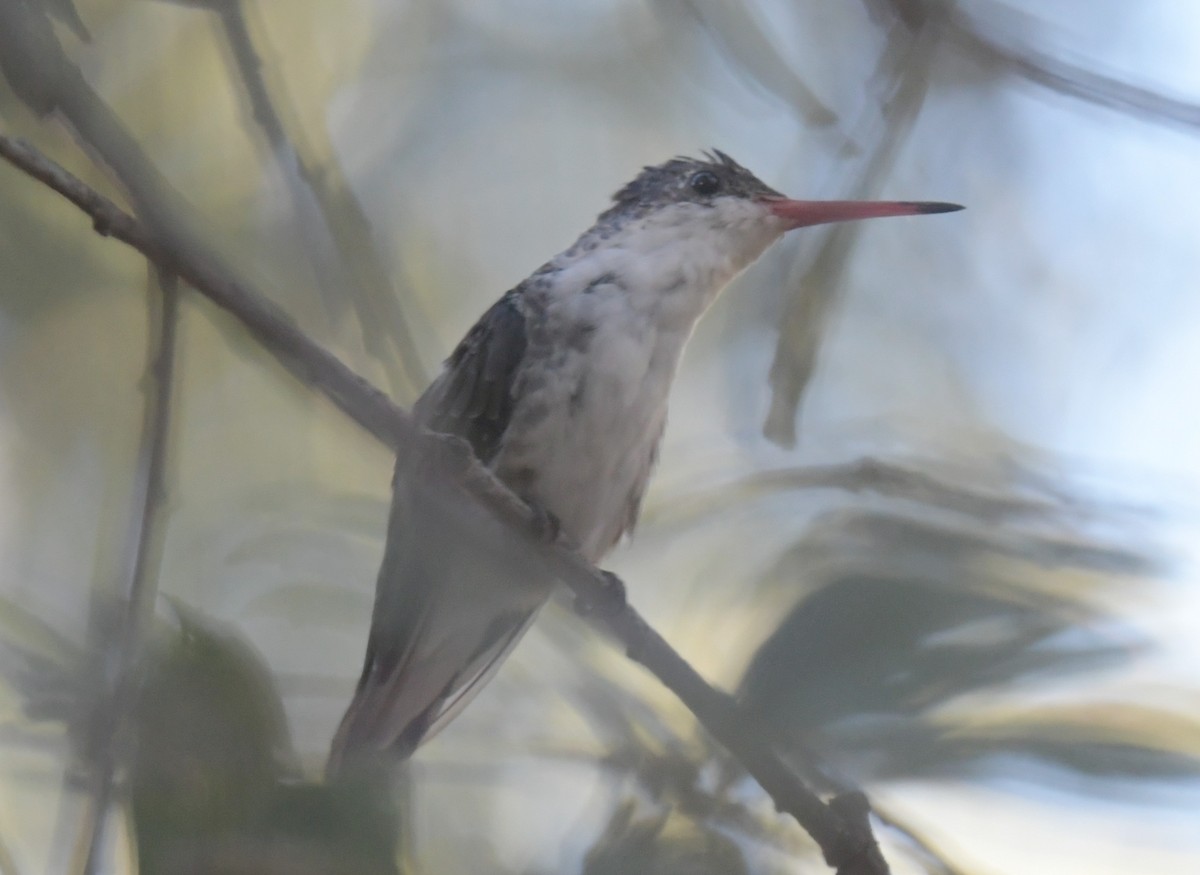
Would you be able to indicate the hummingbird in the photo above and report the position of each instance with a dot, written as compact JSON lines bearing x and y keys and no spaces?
{"x":561,"y":389}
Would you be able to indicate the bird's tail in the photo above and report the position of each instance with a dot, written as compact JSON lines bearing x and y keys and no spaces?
{"x":455,"y":593}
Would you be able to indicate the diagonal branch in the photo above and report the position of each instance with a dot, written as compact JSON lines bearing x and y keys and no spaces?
{"x":1068,"y":78}
{"x":740,"y":35}
{"x":840,"y":828}
{"x":386,"y":334}
{"x":903,"y":79}
{"x":267,"y":323}
{"x":1010,"y":54}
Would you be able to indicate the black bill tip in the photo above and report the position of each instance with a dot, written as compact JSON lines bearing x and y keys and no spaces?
{"x":927,"y":207}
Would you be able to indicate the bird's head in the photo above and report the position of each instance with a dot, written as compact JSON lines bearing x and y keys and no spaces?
{"x":713,"y":209}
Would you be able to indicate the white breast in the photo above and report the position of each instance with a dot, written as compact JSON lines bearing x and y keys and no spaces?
{"x":593,"y":394}
{"x":584,"y":434}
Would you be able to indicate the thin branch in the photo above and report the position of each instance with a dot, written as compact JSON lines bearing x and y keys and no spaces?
{"x":1072,"y":80}
{"x":362,"y":273}
{"x":741,"y":37}
{"x":144,"y":552}
{"x":841,"y":828}
{"x":903,"y":77}
{"x":267,"y":323}
{"x":48,"y":82}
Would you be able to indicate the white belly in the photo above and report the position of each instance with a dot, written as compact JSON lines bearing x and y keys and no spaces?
{"x":583,"y":438}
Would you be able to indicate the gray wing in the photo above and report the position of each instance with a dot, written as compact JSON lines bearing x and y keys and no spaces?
{"x":474,"y":396}
{"x":435,"y":638}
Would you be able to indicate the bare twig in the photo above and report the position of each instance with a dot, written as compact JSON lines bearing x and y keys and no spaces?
{"x":926,"y":23}
{"x":1073,"y":80}
{"x":842,"y":832}
{"x":385,"y":331}
{"x":308,"y":362}
{"x":143,"y":553}
{"x":748,"y":45}
{"x":42,"y":75}
{"x":903,"y":76}
{"x":988,"y":44}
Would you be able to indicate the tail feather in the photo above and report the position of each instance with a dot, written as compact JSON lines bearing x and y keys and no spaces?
{"x":456,"y":592}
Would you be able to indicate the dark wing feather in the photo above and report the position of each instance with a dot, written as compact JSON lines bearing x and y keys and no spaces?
{"x":413,"y":681}
{"x":473,"y":398}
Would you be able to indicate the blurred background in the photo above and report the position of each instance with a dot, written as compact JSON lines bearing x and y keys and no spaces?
{"x":925,"y":501}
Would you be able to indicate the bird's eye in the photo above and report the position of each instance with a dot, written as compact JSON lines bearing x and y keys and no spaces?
{"x":704,"y":183}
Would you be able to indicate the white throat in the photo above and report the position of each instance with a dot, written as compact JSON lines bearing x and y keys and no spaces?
{"x":673,"y":262}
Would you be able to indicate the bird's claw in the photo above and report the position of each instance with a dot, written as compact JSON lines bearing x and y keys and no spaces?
{"x":544,"y":525}
{"x":608,"y":600}
{"x":453,"y":451}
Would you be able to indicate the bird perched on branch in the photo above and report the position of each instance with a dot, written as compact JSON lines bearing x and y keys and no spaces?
{"x":561,"y":389}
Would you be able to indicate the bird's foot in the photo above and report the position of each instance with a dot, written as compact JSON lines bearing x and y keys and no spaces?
{"x":544,"y":525}
{"x":454,"y":452}
{"x":608,"y":600}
